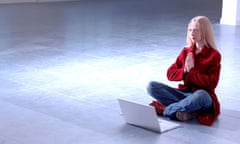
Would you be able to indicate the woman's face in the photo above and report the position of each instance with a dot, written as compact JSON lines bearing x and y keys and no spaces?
{"x":194,"y":32}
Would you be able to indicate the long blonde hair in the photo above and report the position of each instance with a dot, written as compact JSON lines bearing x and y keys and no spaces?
{"x":205,"y":29}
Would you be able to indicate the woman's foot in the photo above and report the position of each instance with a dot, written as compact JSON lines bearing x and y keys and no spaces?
{"x":159,"y":107}
{"x":184,"y":116}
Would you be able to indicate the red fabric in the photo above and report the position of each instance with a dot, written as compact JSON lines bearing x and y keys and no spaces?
{"x":159,"y":107}
{"x":205,"y":75}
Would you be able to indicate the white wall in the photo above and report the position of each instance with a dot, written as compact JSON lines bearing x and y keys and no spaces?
{"x":24,"y":1}
{"x":238,"y":13}
{"x":231,"y":12}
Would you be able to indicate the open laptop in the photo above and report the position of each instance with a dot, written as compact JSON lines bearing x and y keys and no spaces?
{"x":144,"y":116}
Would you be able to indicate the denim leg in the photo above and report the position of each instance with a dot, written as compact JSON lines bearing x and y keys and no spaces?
{"x":198,"y":100}
{"x":165,"y":94}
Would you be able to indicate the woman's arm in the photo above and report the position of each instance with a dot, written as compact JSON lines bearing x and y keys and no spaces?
{"x":176,"y":71}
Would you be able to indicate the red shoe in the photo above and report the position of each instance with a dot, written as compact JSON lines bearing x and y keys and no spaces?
{"x":159,"y":107}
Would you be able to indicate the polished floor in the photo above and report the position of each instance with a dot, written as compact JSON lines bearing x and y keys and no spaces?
{"x":63,"y":66}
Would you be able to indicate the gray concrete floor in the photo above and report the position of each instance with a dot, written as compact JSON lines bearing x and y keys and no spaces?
{"x":63,"y":66}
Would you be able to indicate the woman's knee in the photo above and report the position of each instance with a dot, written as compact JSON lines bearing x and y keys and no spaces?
{"x":153,"y":86}
{"x":154,"y":83}
{"x":203,"y":97}
{"x":150,"y":87}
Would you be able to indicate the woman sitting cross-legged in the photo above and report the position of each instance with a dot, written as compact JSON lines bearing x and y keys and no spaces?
{"x":198,"y":66}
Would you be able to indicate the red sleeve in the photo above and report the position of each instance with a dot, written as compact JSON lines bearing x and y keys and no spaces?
{"x":176,"y":71}
{"x":209,"y":80}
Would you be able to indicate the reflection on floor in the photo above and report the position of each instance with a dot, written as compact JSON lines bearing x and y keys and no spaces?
{"x":63,"y":65}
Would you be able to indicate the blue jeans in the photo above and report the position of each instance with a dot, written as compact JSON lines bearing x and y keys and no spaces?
{"x":176,"y":100}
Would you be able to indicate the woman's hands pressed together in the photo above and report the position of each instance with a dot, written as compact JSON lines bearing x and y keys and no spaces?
{"x":189,"y":63}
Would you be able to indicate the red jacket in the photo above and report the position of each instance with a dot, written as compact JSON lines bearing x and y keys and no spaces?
{"x":205,"y":75}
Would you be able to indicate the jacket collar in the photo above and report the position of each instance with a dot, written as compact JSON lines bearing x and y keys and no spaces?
{"x":204,"y":52}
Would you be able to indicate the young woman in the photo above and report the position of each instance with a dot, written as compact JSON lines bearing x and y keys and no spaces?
{"x":198,"y":66}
